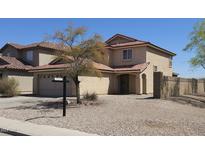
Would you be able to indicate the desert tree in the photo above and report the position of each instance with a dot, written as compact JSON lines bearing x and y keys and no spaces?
{"x":197,"y":44}
{"x":79,"y":53}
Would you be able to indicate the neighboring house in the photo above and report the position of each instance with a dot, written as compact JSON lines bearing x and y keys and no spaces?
{"x":17,"y":60}
{"x":129,"y":69}
{"x":11,"y":67}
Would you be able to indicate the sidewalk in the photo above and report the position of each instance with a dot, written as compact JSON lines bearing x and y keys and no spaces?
{"x":16,"y":127}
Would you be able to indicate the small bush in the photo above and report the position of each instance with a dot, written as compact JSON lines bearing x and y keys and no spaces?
{"x":90,"y":96}
{"x":9,"y":87}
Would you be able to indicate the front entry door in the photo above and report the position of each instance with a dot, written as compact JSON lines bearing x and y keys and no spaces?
{"x":124,"y":84}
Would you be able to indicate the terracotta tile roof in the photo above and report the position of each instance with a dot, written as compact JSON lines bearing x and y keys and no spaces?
{"x":50,"y":66}
{"x":134,"y":42}
{"x":129,"y":44}
{"x":102,"y":67}
{"x":61,"y":66}
{"x":49,"y":45}
{"x":13,"y":63}
{"x":136,"y":68}
{"x":120,"y":35}
{"x":17,"y":46}
{"x":59,"y":47}
{"x":140,"y":43}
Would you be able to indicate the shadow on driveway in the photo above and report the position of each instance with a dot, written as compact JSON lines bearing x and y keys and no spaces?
{"x":40,"y":117}
{"x":44,"y":106}
{"x":40,"y":105}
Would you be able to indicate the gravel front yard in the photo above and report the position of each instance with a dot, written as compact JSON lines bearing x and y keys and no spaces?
{"x":117,"y":115}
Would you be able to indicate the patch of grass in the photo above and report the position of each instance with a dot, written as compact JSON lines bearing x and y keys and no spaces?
{"x":9,"y":87}
{"x":90,"y":96}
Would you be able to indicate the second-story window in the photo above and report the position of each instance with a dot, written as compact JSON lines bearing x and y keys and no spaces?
{"x":8,"y":54}
{"x":29,"y":55}
{"x":127,"y":54}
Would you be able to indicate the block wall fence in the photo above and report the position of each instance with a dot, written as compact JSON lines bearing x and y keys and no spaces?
{"x":166,"y":86}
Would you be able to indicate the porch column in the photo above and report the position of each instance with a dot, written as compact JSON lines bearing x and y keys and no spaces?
{"x":114,"y":84}
{"x":36,"y":84}
{"x":138,"y":84}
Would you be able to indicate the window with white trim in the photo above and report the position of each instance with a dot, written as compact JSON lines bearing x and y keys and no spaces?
{"x":127,"y":54}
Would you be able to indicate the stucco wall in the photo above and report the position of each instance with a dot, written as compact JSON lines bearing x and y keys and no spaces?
{"x":24,"y":79}
{"x":138,"y":56}
{"x":138,"y":84}
{"x":159,"y":59}
{"x":43,"y":57}
{"x":94,"y":84}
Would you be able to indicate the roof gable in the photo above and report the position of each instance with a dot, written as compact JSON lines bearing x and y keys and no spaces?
{"x":11,"y":45}
{"x":119,"y":38}
{"x":120,"y":41}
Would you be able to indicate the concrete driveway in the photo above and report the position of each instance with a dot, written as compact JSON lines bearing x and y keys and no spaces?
{"x":114,"y":115}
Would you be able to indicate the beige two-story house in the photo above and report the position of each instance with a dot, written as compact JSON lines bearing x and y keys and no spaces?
{"x":129,"y":70}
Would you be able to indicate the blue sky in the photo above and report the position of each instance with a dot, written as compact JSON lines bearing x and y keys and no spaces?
{"x":171,"y":34}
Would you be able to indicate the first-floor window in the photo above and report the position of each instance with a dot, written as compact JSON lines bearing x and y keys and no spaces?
{"x":127,"y":54}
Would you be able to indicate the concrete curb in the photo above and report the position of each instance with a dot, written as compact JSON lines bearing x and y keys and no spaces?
{"x":22,"y":128}
{"x":5,"y":131}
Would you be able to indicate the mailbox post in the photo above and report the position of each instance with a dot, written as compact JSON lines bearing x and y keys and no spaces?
{"x":64,"y":81}
{"x":64,"y":96}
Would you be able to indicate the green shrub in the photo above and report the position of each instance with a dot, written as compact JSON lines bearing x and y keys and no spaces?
{"x":90,"y":96}
{"x":9,"y":87}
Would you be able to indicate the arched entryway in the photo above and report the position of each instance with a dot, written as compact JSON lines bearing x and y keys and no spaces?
{"x":144,"y":84}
